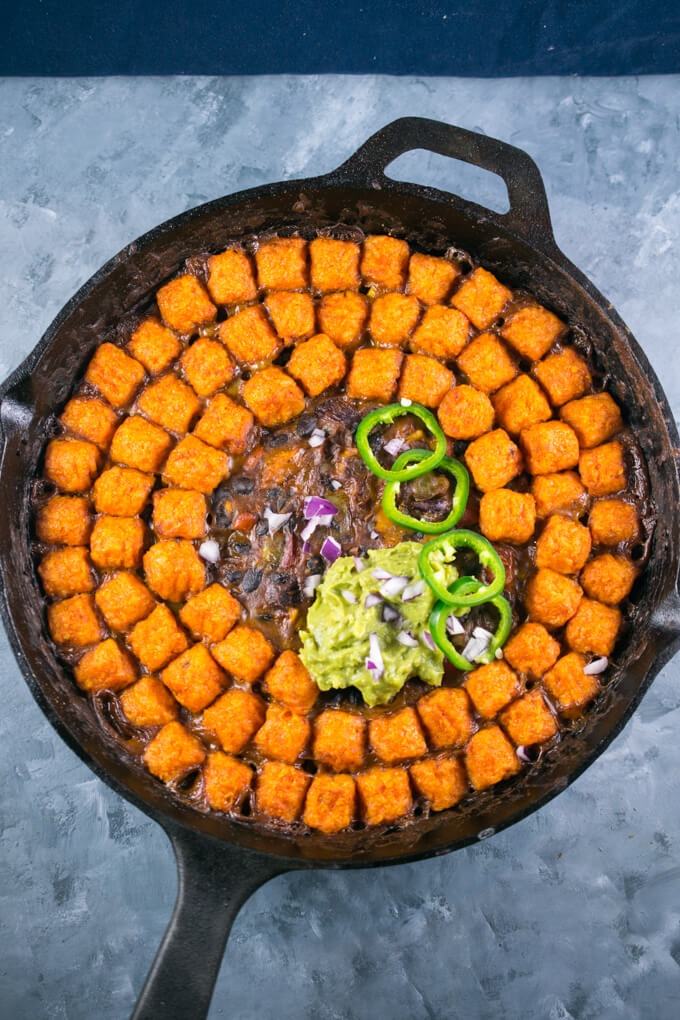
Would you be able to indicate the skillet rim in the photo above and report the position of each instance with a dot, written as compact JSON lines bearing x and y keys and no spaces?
{"x":665,"y":634}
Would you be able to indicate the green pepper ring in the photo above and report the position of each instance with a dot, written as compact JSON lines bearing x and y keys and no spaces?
{"x":488,"y":557}
{"x":440,"y":614}
{"x":458,"y":502}
{"x":386,"y":415}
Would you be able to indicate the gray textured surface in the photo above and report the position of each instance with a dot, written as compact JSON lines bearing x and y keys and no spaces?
{"x":574,"y":912}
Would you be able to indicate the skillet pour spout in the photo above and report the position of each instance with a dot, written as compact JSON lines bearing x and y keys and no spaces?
{"x":222,"y":860}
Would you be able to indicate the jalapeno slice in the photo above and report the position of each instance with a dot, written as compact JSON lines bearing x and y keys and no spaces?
{"x":438,"y":620}
{"x":458,"y":501}
{"x":385,"y":416}
{"x":461,"y":592}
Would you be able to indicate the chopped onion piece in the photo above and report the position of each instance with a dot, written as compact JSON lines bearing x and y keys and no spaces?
{"x":311,"y":583}
{"x":390,"y":614}
{"x":309,"y":529}
{"x":478,"y":644}
{"x":275,"y":521}
{"x":413,"y":591}
{"x":380,"y":574}
{"x":349,"y":596}
{"x":317,"y":438}
{"x":335,"y":484}
{"x":372,"y":599}
{"x":394,"y":446}
{"x":313,"y":523}
{"x":209,"y":550}
{"x":359,"y":564}
{"x":525,"y":755}
{"x":453,"y":625}
{"x":428,"y":640}
{"x":306,"y":547}
{"x":482,"y":634}
{"x":405,"y":402}
{"x":375,"y":536}
{"x":317,"y":506}
{"x":393,"y":587}
{"x":596,"y":666}
{"x":405,"y":637}
{"x":330,"y":550}
{"x":374,"y":662}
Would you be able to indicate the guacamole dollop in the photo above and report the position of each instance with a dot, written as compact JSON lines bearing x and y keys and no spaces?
{"x":337,"y":642}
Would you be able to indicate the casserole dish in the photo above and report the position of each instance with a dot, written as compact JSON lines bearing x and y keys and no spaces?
{"x":220,"y":861}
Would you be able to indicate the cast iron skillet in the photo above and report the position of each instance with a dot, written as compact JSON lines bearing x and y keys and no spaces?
{"x":222,"y":861}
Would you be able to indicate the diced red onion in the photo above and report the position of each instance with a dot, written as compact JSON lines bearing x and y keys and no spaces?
{"x":413,"y":591}
{"x":380,"y":574}
{"x":209,"y":550}
{"x":405,"y":637}
{"x":453,"y":625}
{"x":309,"y":529}
{"x":359,"y":564}
{"x":428,"y":640}
{"x":596,"y":666}
{"x":375,"y":536}
{"x":275,"y":521}
{"x":389,"y":614}
{"x":317,"y":506}
{"x":527,"y":755}
{"x":321,"y":521}
{"x":372,"y":599}
{"x":405,"y":402}
{"x":311,"y":583}
{"x":393,"y":587}
{"x":335,"y":484}
{"x":330,"y":550}
{"x":317,"y":438}
{"x":394,"y":446}
{"x":482,"y":634}
{"x":306,"y":547}
{"x":349,"y":596}
{"x":477,"y":645}
{"x":374,"y":662}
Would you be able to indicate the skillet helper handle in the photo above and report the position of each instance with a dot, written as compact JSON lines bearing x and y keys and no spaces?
{"x":528,"y":216}
{"x":214,"y":881}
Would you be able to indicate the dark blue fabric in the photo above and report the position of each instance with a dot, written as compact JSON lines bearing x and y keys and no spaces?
{"x":429,"y":37}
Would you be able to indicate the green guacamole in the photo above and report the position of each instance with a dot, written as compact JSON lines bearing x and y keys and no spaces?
{"x":336,"y":644}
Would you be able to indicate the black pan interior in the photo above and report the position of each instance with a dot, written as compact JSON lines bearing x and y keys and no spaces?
{"x":430,"y":221}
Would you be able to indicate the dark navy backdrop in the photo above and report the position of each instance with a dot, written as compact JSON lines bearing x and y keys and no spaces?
{"x":430,"y":37}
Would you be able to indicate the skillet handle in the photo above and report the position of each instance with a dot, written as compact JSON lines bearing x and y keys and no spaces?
{"x":528,"y":216}
{"x":214,"y":881}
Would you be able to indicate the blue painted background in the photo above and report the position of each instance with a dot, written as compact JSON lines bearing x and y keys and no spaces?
{"x":573,"y":914}
{"x":432,"y":37}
